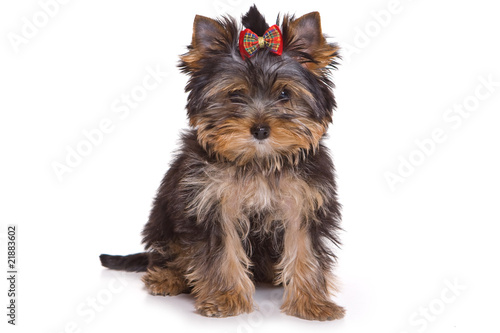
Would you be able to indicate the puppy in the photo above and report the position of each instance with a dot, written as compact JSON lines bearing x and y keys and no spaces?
{"x":251,"y":195}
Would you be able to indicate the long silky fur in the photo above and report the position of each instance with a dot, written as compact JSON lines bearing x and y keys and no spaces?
{"x":220,"y":221}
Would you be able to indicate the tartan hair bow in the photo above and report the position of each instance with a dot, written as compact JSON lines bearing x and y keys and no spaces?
{"x":250,"y":42}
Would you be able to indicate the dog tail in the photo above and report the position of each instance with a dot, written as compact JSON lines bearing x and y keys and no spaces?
{"x":137,"y":262}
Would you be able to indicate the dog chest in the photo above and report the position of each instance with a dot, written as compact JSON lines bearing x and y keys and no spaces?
{"x":236,"y":197}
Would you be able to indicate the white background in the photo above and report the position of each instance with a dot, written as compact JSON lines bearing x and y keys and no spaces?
{"x":403,"y":246}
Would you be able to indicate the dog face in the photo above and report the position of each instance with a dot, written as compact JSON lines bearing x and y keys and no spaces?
{"x":267,"y":109}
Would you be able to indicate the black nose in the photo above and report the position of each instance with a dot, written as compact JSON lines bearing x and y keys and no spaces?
{"x":260,"y":132}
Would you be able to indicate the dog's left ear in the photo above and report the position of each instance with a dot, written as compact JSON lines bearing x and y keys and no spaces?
{"x":304,"y":39}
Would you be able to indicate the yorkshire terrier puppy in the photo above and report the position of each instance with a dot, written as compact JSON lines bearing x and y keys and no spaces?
{"x":251,"y":195}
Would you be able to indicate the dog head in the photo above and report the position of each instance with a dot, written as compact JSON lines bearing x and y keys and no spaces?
{"x":266,"y":109}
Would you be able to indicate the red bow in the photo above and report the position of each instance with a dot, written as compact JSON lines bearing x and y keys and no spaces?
{"x":250,"y":42}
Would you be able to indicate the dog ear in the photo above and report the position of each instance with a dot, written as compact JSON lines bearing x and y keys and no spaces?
{"x":303,"y":36}
{"x":206,"y":34}
{"x":210,"y":37}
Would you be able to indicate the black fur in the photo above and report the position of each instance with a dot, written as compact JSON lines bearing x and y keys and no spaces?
{"x":167,"y":222}
{"x":255,"y":21}
{"x":228,"y":93}
{"x":132,"y":263}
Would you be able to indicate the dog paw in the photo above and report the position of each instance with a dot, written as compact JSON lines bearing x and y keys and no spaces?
{"x":225,"y":305}
{"x":314,"y":309}
{"x":164,"y":282}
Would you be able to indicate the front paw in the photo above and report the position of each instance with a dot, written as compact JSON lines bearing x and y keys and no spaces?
{"x":225,"y":305}
{"x":311,"y":309}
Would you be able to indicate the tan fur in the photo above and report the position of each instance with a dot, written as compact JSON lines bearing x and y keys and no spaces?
{"x":307,"y":285}
{"x":203,"y":40}
{"x":164,"y":281}
{"x":247,"y":190}
{"x":225,"y":289}
{"x":230,"y":303}
{"x":192,"y":59}
{"x":254,"y":192}
{"x":288,"y":139}
{"x":293,"y":202}
{"x":322,"y":52}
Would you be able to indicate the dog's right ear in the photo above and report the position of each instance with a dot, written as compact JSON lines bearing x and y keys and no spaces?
{"x":207,"y":34}
{"x":210,"y":38}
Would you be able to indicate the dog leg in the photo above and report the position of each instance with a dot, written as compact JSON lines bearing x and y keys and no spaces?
{"x":306,"y":280}
{"x":163,"y":276}
{"x":219,"y":274}
{"x":220,"y":278}
{"x":165,"y":281}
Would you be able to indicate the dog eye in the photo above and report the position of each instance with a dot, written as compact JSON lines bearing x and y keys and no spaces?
{"x":284,"y":96}
{"x":236,"y":96}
